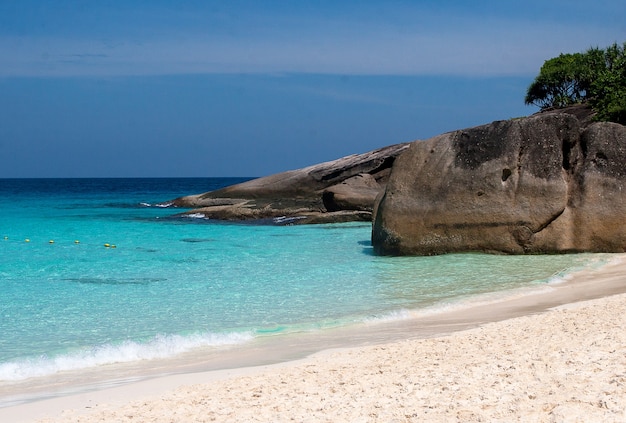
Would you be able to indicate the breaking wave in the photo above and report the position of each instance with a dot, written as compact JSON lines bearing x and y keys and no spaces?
{"x":161,"y":346}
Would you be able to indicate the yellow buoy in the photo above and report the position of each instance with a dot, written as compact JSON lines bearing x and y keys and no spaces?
{"x":51,"y":241}
{"x":27,"y":240}
{"x":113,"y":246}
{"x":77,"y":242}
{"x":107,"y":245}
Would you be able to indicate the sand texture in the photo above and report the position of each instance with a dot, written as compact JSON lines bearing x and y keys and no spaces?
{"x":565,"y":365}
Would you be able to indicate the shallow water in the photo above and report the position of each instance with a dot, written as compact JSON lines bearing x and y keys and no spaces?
{"x":167,"y":285}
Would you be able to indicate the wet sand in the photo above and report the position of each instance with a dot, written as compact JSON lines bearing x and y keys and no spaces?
{"x":558,"y":354}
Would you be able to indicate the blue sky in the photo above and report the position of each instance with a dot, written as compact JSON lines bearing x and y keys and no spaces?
{"x":249,"y":88}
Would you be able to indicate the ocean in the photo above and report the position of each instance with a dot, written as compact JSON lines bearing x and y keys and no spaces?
{"x":95,"y":272}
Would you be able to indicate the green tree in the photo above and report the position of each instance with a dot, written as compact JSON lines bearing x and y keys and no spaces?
{"x":597,"y":76}
{"x":608,"y":90}
{"x":562,"y":81}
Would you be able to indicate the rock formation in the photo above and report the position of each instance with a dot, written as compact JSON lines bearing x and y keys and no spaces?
{"x":336,"y":191}
{"x":548,"y":183}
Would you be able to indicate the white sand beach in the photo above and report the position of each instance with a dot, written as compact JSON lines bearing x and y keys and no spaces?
{"x":563,"y":364}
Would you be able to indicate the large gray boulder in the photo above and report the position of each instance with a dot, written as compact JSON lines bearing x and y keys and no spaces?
{"x":336,"y":191}
{"x":542,"y":184}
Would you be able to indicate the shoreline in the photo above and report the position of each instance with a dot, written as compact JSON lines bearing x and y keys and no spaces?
{"x":605,"y":284}
{"x":273,"y":348}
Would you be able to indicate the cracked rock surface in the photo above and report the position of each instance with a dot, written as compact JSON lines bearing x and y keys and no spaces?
{"x":548,"y":183}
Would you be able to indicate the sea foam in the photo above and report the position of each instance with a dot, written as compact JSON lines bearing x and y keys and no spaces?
{"x":392,"y":316}
{"x":159,"y":205}
{"x":195,"y":216}
{"x":161,"y":346}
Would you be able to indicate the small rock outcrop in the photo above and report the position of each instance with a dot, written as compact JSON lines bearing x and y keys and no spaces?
{"x":548,"y":183}
{"x":336,"y":191}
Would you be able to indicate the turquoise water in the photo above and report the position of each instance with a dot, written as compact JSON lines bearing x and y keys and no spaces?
{"x":167,"y":284}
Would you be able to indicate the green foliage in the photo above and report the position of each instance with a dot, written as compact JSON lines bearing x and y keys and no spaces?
{"x":560,"y":82}
{"x":609,"y":86}
{"x":596,"y":76}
